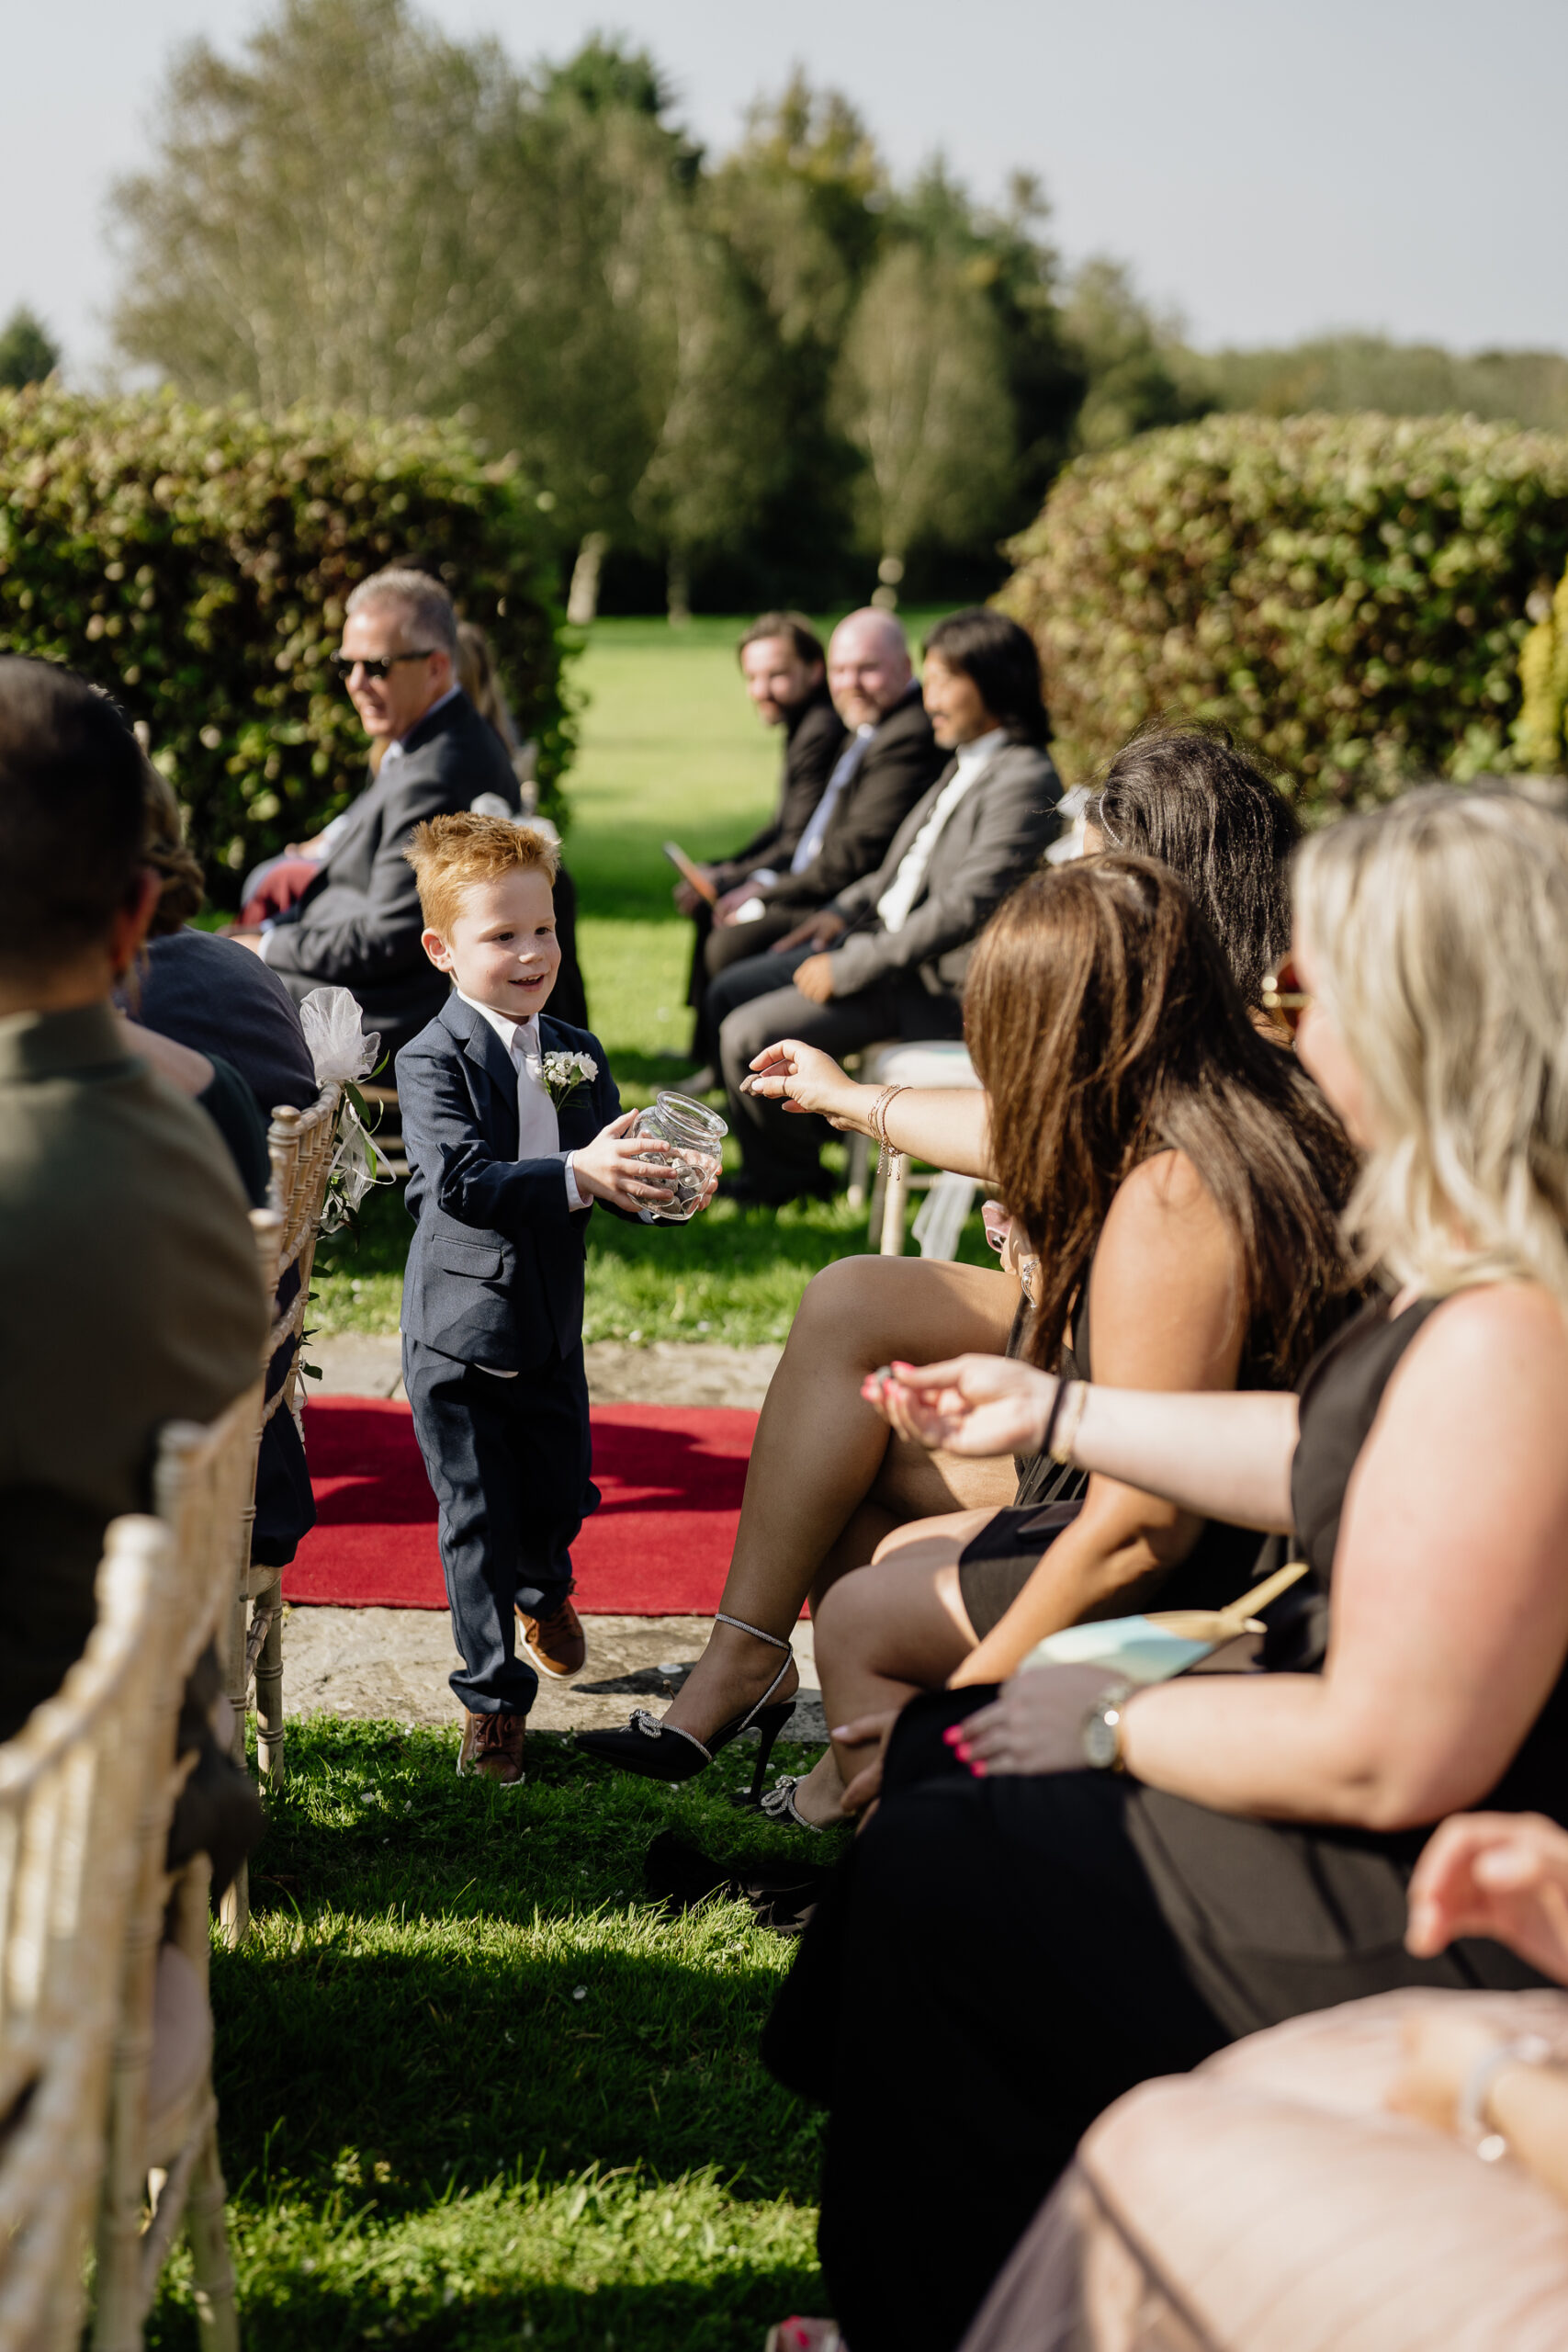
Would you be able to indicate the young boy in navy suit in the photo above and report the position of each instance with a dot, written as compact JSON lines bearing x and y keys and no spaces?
{"x":513,"y":1129}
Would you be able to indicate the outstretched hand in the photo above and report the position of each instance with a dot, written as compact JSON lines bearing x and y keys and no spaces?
{"x":615,"y":1167}
{"x":1498,"y":1874}
{"x":804,"y":1079}
{"x":970,"y":1404}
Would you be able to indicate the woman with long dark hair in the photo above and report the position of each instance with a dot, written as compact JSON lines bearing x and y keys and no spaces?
{"x":1177,"y":1179}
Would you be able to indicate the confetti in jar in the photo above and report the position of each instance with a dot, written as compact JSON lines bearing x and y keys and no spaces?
{"x":695,"y":1135}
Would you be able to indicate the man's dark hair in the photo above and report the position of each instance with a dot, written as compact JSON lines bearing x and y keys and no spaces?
{"x":1000,"y":659}
{"x":795,"y":626}
{"x":71,"y":814}
{"x":1214,"y":812}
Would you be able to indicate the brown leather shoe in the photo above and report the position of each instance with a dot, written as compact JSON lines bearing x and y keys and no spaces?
{"x":491,"y":1749}
{"x":557,"y":1642}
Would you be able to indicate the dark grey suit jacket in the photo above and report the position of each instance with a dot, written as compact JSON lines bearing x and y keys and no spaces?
{"x":495,"y":1270}
{"x":998,"y":833}
{"x":359,"y":924}
{"x":814,"y":736}
{"x":900,"y":761}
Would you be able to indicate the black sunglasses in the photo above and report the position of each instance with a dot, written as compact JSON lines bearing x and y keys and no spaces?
{"x":379,"y":666}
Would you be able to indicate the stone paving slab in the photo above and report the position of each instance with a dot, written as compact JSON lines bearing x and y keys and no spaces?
{"x":665,"y":1371}
{"x":393,"y":1664}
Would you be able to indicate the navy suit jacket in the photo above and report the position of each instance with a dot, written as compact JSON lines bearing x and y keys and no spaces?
{"x":495,"y":1272}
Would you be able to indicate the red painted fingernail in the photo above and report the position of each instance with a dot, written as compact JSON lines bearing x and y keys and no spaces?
{"x":976,"y":1767}
{"x":963,"y":1750}
{"x":953,"y":1734}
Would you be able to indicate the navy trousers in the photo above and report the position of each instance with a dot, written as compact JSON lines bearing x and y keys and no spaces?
{"x":510,"y":1461}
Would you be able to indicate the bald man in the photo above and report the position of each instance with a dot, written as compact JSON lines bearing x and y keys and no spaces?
{"x":890,"y":758}
{"x":888,"y":957}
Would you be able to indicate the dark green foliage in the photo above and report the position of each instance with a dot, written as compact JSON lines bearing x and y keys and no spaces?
{"x":28,"y":352}
{"x":431,"y":2136}
{"x":1347,"y":591}
{"x":195,"y":562}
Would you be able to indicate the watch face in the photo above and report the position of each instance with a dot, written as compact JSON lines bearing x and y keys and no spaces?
{"x":1101,"y":1736}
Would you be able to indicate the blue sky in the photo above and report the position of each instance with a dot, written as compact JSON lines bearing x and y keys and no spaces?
{"x":1269,"y":167}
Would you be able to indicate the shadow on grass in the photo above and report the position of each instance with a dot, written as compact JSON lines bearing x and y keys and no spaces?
{"x":447,"y":1980}
{"x":425,"y":2069}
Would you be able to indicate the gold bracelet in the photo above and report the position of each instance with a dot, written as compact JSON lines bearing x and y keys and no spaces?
{"x":1067,"y":1418}
{"x":878,"y":1125}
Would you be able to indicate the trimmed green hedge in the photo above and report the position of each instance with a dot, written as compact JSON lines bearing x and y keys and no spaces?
{"x":1348,"y":592}
{"x":195,"y":562}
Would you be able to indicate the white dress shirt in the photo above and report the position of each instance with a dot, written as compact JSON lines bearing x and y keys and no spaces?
{"x":896,"y":902}
{"x":538,"y":1130}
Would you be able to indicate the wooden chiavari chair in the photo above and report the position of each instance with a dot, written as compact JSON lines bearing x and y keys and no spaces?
{"x":300,"y":1144}
{"x":73,"y":1782}
{"x":162,"y":2167}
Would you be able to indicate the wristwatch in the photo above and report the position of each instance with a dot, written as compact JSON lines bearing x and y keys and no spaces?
{"x":1102,"y":1729}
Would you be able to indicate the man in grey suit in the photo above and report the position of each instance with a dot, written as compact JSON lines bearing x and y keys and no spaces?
{"x":886,"y":957}
{"x":357,"y":925}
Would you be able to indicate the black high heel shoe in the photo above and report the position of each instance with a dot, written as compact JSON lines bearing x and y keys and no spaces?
{"x":663,"y":1751}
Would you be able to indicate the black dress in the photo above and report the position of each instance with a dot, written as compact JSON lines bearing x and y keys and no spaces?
{"x":1000,"y":1959}
{"x":998,"y":1562}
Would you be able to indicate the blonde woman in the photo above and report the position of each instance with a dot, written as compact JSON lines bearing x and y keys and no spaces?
{"x":1072,"y":1886}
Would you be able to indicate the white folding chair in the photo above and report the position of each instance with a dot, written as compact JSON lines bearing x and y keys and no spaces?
{"x":73,"y":1783}
{"x":162,"y":2167}
{"x":949,"y":1198}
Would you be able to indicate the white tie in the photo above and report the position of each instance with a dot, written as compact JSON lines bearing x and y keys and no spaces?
{"x":538,"y":1130}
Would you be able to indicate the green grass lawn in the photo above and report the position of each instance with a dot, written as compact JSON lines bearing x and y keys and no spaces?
{"x":477,"y":2090}
{"x":669,"y":749}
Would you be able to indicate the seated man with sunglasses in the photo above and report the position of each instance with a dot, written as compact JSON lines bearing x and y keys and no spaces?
{"x":356,"y":924}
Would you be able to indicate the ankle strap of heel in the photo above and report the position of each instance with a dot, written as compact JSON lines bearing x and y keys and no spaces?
{"x":755,"y":1631}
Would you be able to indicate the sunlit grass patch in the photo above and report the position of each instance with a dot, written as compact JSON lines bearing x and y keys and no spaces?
{"x":474,"y":2082}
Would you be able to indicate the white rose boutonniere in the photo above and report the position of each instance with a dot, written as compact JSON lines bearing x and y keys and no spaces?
{"x":561,"y":1075}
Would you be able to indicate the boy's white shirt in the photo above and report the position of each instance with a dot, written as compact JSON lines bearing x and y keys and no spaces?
{"x":538,"y":1130}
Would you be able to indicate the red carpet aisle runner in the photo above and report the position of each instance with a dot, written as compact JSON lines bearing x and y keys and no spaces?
{"x":658,"y":1545}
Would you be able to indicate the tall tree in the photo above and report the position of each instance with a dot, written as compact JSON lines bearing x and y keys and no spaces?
{"x":921,"y":392}
{"x":363,"y":213}
{"x":324,"y":222}
{"x":28,"y":352}
{"x":1130,"y":359}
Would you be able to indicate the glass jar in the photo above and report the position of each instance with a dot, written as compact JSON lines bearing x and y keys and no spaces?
{"x":695,"y":1135}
